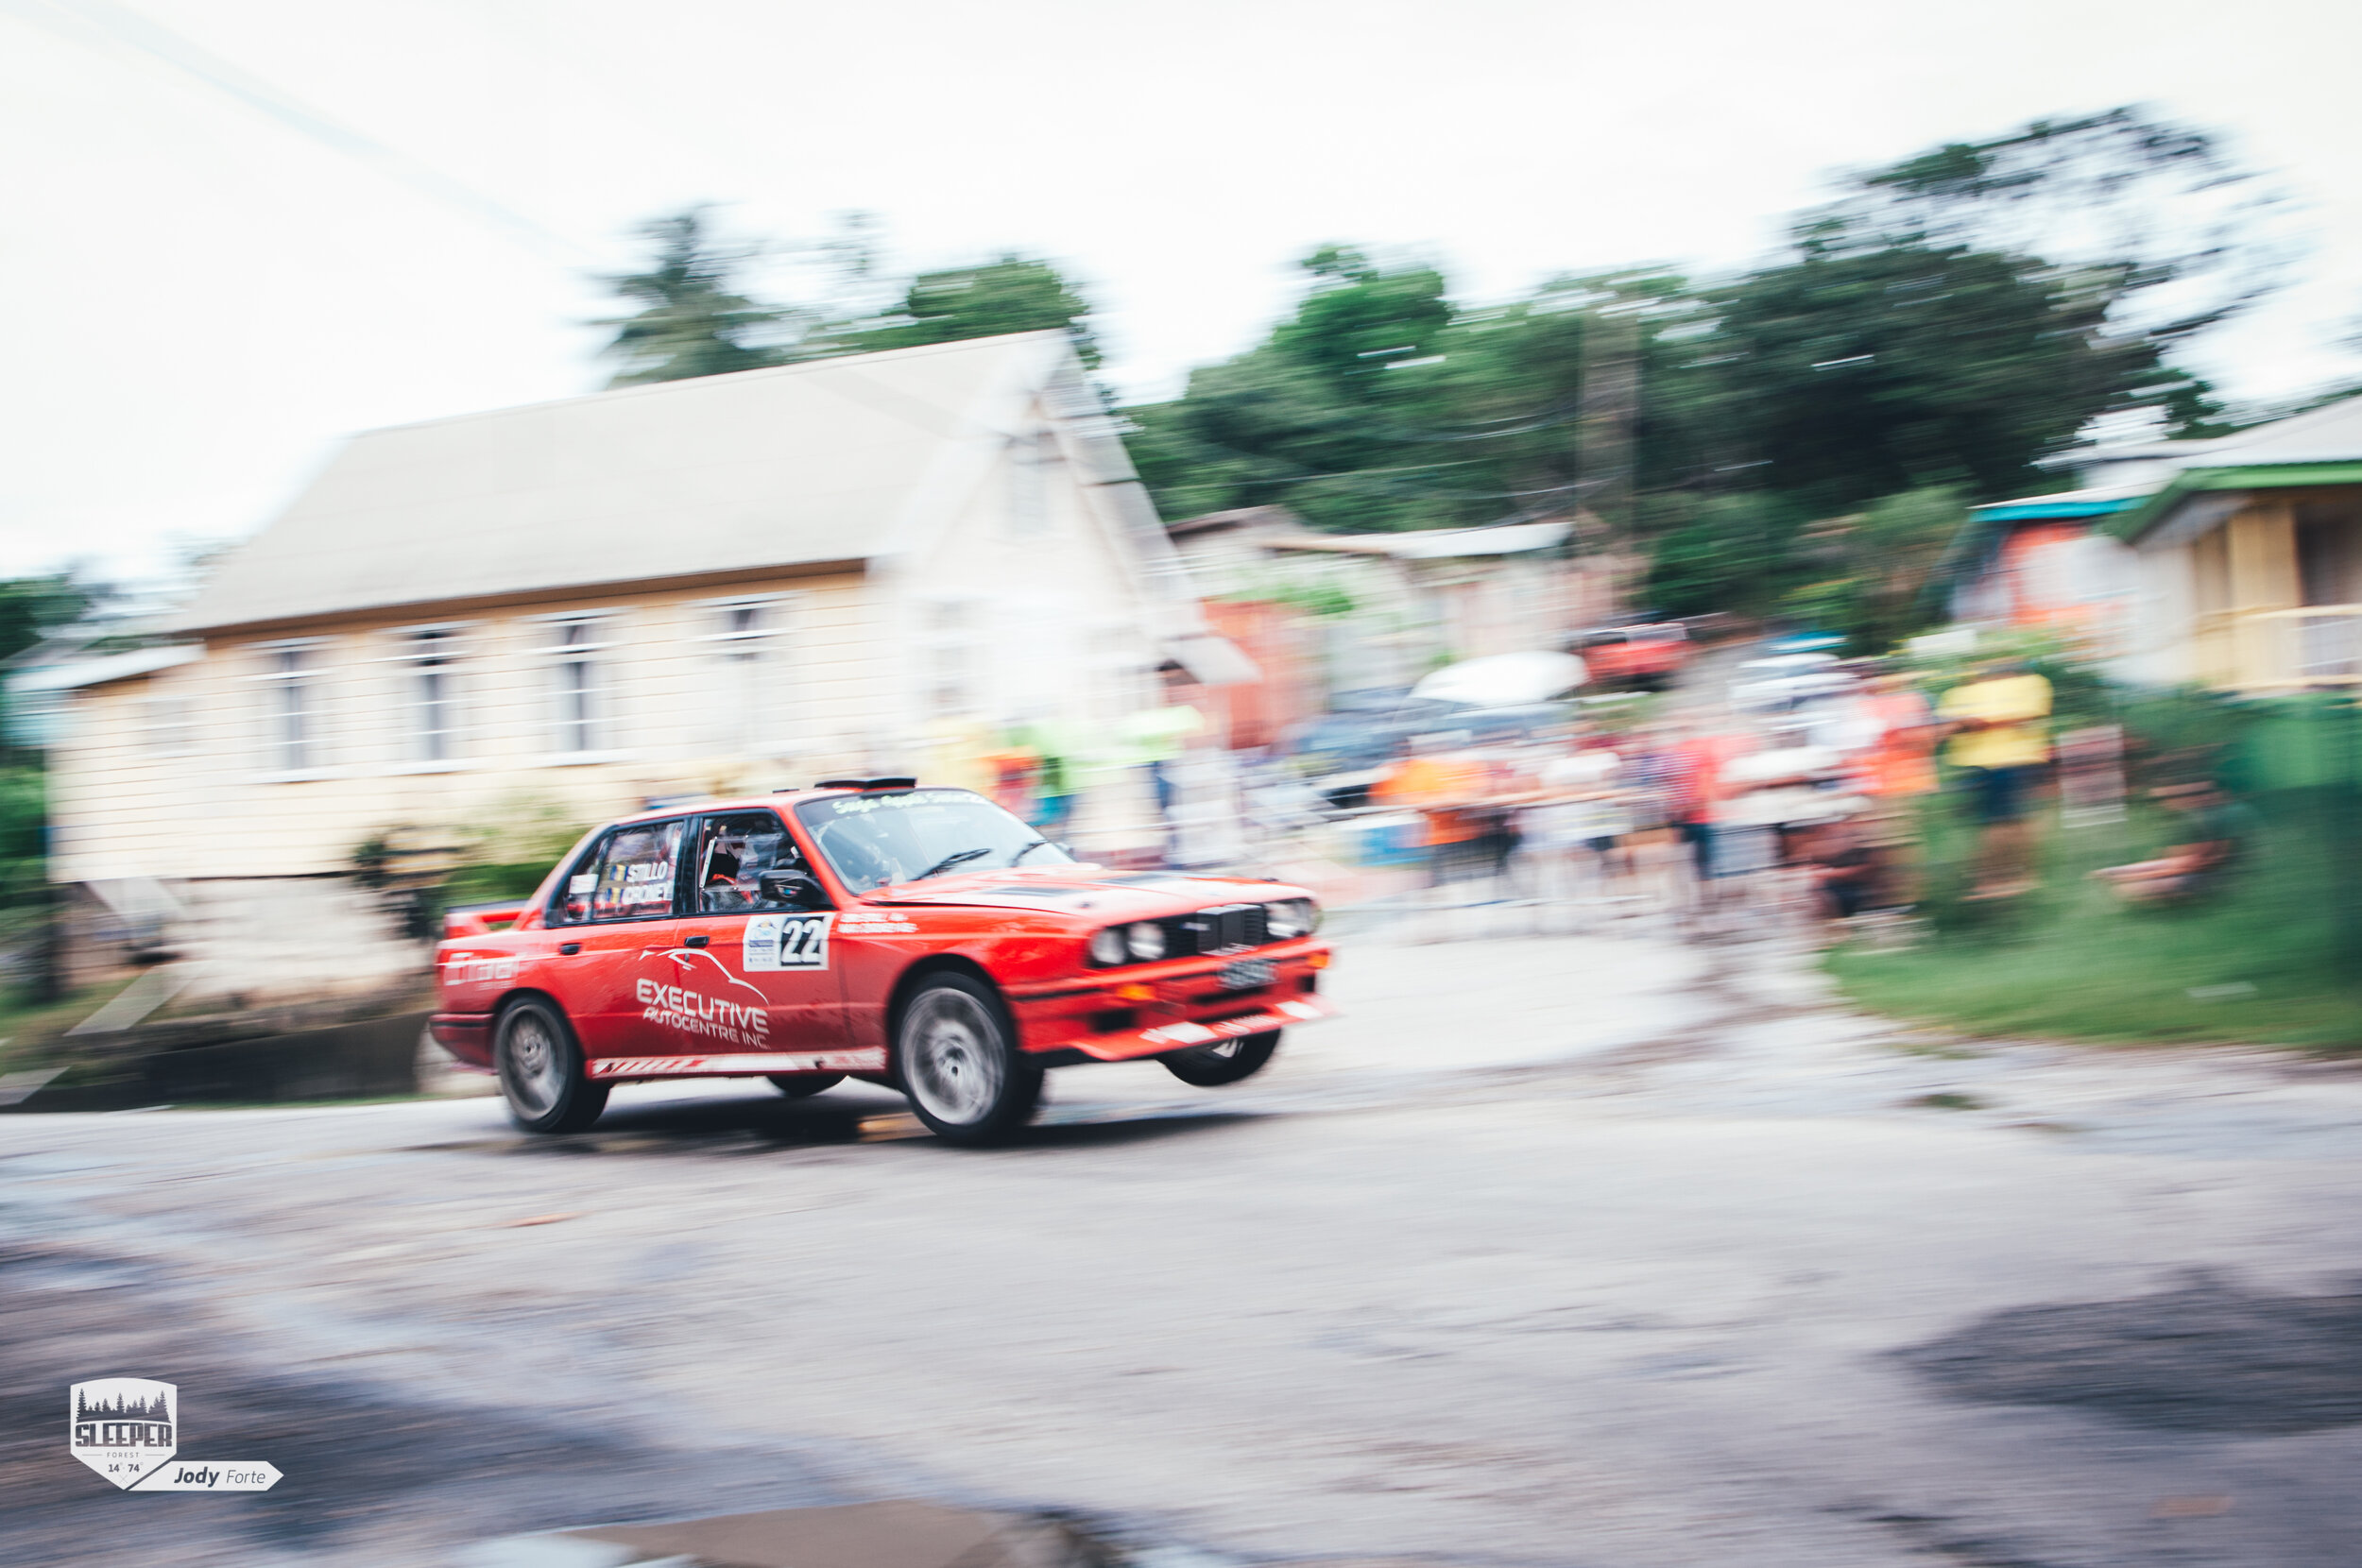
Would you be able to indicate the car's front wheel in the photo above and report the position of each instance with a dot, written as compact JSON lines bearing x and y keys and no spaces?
{"x":1211,"y":1066}
{"x":542,"y":1070}
{"x":803,"y":1086}
{"x":958,"y":1062}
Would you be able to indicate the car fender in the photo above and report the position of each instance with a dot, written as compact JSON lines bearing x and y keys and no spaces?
{"x":907,"y":984}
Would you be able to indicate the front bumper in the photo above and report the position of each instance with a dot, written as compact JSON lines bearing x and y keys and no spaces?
{"x":1152,"y":1008}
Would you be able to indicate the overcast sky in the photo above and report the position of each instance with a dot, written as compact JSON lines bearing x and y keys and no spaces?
{"x":237,"y":230}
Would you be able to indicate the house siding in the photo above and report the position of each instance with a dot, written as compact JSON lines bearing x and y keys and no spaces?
{"x":124,"y":807}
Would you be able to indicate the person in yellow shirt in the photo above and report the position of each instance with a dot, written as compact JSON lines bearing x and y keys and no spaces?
{"x":1999,"y":726}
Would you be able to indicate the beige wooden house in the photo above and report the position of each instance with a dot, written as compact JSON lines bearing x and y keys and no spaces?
{"x":2249,"y":557}
{"x":742,"y":581}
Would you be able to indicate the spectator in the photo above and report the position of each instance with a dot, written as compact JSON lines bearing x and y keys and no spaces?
{"x":1445,"y":786}
{"x":1999,"y":739}
{"x":2213,"y":839}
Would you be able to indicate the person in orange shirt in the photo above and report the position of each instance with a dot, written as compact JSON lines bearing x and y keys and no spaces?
{"x":1901,"y":761}
{"x":1443,"y":787}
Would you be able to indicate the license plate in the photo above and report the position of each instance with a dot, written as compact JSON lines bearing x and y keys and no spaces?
{"x":1248,"y":974}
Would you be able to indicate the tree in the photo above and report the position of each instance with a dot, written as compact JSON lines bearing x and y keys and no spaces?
{"x":2180,"y":235}
{"x":692,"y":321}
{"x":1861,"y":370}
{"x":1012,"y":294}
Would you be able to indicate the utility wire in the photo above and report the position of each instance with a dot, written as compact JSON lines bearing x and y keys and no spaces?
{"x":79,"y":20}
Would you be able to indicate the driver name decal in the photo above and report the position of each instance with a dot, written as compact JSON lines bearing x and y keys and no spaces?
{"x":778,"y":942}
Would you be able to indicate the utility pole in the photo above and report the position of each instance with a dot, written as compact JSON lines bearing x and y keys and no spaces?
{"x":1605,"y":416}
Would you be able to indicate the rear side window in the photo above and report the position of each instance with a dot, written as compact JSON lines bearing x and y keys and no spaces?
{"x":629,"y":877}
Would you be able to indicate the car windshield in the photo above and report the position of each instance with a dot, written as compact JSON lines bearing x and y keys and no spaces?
{"x":870,"y":840}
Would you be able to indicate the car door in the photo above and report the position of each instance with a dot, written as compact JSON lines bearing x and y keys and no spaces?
{"x":755,"y":958}
{"x":614,"y":922}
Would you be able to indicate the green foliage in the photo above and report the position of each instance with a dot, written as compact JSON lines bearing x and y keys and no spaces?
{"x":30,"y":606}
{"x":1862,"y":372}
{"x":2177,"y":233}
{"x":2075,"y":960}
{"x":696,"y":320}
{"x":692,"y":321}
{"x":1012,"y":294}
{"x":1796,"y":441}
{"x":1378,"y":406}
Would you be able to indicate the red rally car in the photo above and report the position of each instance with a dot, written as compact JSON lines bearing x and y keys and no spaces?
{"x":923,"y":939}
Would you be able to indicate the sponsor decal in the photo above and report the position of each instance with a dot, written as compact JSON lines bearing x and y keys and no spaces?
{"x":479,"y":968}
{"x":582,"y":882}
{"x":693,"y":1012}
{"x":780,"y":942}
{"x":126,"y":1429}
{"x":646,"y":882}
{"x":746,"y":1064}
{"x":857,"y":924}
{"x":862,"y":805}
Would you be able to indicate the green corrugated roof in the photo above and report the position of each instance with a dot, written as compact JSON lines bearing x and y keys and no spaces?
{"x":2134,"y":522}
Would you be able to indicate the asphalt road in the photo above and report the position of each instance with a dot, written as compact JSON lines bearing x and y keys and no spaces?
{"x":1569,"y":1251}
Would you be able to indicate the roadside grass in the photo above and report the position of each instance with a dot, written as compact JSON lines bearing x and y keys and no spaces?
{"x":30,"y":1031}
{"x":2256,"y":962}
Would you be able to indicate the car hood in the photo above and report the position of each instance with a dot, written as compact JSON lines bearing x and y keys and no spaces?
{"x":1085,"y":892}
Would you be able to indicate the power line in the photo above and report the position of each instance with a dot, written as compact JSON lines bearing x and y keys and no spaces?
{"x":112,"y":24}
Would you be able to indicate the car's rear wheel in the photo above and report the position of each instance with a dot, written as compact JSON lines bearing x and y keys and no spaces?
{"x":957,"y":1060}
{"x":803,"y":1086}
{"x":542,"y":1070}
{"x":1211,"y":1066}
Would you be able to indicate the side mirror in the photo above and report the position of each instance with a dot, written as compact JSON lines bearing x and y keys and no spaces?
{"x":795,"y":890}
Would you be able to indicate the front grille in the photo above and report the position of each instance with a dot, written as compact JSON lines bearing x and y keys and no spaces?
{"x":1222,"y":930}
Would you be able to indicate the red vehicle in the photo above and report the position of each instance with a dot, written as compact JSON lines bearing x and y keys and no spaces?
{"x":923,"y":939}
{"x":1646,"y":656}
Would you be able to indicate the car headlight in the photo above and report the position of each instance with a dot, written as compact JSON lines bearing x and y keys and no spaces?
{"x":1146,"y":940}
{"x":1107,"y":946}
{"x":1292,"y":917}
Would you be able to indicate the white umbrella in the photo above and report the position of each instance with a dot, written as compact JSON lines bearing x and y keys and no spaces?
{"x":1504,"y":680}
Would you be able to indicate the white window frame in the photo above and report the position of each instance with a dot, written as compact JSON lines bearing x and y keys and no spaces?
{"x":273,"y":682}
{"x":412,"y":665}
{"x":960,"y":647}
{"x":756,"y":647}
{"x":593,"y":721}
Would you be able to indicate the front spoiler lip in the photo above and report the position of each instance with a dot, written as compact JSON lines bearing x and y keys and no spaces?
{"x":1129,"y":1045}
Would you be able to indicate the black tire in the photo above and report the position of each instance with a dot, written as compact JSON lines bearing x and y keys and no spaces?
{"x":541,"y":1070}
{"x":1211,"y":1066}
{"x":955,"y":1057}
{"x":803,"y":1086}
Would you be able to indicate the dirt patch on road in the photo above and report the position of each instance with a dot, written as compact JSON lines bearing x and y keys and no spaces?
{"x":2208,"y":1357}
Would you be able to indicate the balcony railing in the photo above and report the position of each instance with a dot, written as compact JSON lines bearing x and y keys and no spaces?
{"x":2314,"y":645}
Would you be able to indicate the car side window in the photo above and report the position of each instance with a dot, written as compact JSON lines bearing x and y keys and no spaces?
{"x":629,"y":877}
{"x":746,"y":861}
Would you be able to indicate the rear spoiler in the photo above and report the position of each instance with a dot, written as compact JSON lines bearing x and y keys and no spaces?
{"x":479,"y":919}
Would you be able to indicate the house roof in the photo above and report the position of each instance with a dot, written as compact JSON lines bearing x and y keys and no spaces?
{"x":1277,"y":528}
{"x":2064,"y":506}
{"x":832,"y":461}
{"x":2322,"y":447}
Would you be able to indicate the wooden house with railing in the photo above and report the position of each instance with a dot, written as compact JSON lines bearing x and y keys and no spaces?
{"x":2248,"y":558}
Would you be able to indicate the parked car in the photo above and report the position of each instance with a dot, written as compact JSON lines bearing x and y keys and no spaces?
{"x":1648,"y":655}
{"x":920,"y":938}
